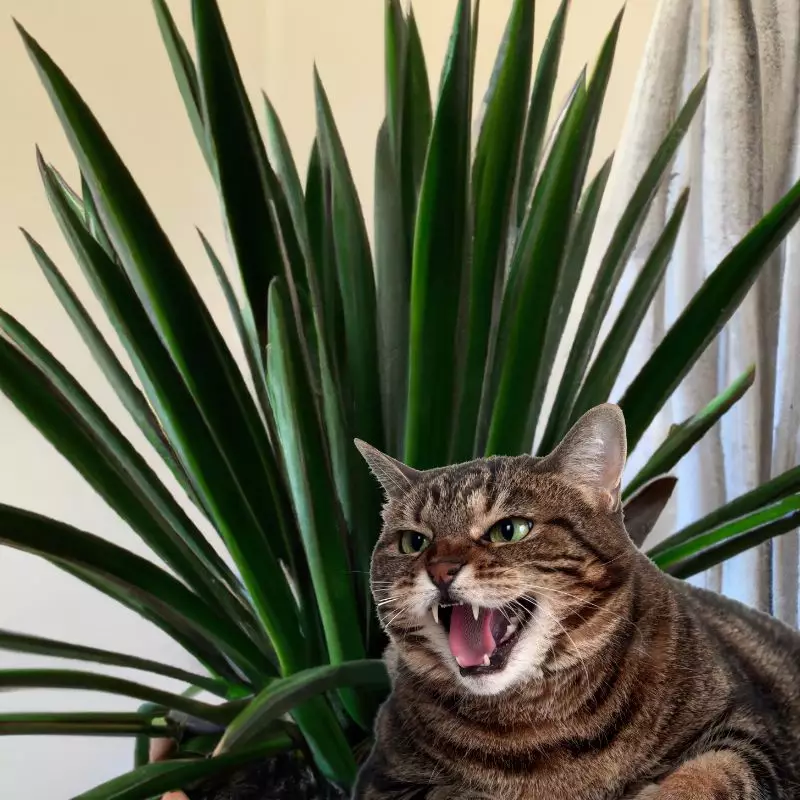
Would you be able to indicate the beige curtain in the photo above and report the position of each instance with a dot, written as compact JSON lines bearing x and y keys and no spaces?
{"x":741,"y":154}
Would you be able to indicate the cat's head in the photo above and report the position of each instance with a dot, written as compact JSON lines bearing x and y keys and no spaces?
{"x":482,"y":567}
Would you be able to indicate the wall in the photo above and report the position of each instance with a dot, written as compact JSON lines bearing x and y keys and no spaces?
{"x":112,"y":51}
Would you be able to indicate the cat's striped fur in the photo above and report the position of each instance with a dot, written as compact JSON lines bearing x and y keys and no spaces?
{"x":624,"y":683}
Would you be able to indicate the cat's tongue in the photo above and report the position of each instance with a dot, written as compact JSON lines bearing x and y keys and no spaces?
{"x":472,"y":641}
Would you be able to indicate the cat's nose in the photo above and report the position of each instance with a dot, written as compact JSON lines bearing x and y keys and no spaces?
{"x":443,"y":572}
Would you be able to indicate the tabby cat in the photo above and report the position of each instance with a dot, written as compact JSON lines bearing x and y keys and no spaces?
{"x":536,"y":654}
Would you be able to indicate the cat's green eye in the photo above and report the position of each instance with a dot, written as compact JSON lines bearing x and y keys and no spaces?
{"x":412,"y":542}
{"x":509,"y":530}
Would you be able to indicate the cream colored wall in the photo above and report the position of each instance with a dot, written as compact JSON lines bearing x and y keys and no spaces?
{"x":111,"y":50}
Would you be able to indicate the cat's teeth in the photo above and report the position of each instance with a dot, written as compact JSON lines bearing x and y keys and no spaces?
{"x":475,"y":611}
{"x":486,"y":661}
{"x":510,"y":630}
{"x":435,"y":612}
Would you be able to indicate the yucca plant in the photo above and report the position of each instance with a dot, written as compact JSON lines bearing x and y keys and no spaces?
{"x":435,"y":344}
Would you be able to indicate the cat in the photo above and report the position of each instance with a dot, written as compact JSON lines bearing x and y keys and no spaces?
{"x":536,"y":654}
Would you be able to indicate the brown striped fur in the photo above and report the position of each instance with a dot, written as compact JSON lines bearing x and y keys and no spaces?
{"x":625,"y":683}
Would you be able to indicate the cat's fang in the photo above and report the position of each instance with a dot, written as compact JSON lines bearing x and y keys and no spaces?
{"x":486,"y":661}
{"x":435,"y":612}
{"x":510,"y":631}
{"x":475,"y":611}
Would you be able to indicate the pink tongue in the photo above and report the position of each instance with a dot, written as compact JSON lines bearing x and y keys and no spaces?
{"x":471,"y":639}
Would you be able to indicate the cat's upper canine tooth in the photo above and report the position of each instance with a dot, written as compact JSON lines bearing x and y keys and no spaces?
{"x":475,"y":611}
{"x":435,"y":612}
{"x":510,"y":630}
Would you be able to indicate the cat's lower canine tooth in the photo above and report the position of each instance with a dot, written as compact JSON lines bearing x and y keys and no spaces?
{"x":486,"y":662}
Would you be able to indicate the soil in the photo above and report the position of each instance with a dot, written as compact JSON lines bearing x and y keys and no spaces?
{"x":284,"y":777}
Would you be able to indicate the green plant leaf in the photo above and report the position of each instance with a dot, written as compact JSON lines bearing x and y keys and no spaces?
{"x":416,"y":129}
{"x":783,"y":485}
{"x":88,"y":724}
{"x":355,"y":277}
{"x":438,"y":257}
{"x":239,"y":157}
{"x":531,"y":283}
{"x":539,"y":110}
{"x":611,"y":267}
{"x":611,"y":356}
{"x":569,"y":277}
{"x":149,"y":584}
{"x":155,"y":779}
{"x":39,"y":645}
{"x":217,"y":477}
{"x":314,"y":496}
{"x":94,"y":224}
{"x":705,"y":315}
{"x":494,"y":176}
{"x":42,"y":389}
{"x":682,"y":437}
{"x":126,"y":389}
{"x":692,"y":556}
{"x":13,"y":679}
{"x":285,"y":694}
{"x":185,"y":73}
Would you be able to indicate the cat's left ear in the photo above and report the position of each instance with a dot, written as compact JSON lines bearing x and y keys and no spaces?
{"x":593,"y":453}
{"x":394,"y":476}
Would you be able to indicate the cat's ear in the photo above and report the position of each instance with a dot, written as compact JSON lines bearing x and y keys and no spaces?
{"x":593,"y":453}
{"x":394,"y":476}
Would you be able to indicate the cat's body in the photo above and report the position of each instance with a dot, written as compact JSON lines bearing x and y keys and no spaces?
{"x":615,"y":680}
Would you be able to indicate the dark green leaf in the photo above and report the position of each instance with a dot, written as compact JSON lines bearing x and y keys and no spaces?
{"x":185,"y":74}
{"x":239,"y":157}
{"x":681,"y":438}
{"x":704,"y":317}
{"x":494,"y":175}
{"x":38,"y":645}
{"x":692,"y":556}
{"x":149,"y":584}
{"x":128,"y":392}
{"x":63,"y":411}
{"x":775,"y":489}
{"x":155,"y":779}
{"x":533,"y":277}
{"x":89,"y":724}
{"x":438,"y":260}
{"x":611,"y":267}
{"x":12,"y":679}
{"x":539,"y":110}
{"x":355,"y":276}
{"x":285,"y":694}
{"x":608,"y":363}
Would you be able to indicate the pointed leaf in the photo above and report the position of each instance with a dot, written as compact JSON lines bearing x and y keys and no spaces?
{"x":153,"y":586}
{"x":608,"y":363}
{"x":39,"y":645}
{"x":683,"y":437}
{"x":90,"y":724}
{"x":284,"y":694}
{"x":539,"y":110}
{"x":438,"y":259}
{"x":12,"y":679}
{"x":692,"y":556}
{"x":494,"y":175}
{"x":611,"y":267}
{"x":704,"y":317}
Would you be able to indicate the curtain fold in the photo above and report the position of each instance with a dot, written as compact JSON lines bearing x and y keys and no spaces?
{"x":740,"y":155}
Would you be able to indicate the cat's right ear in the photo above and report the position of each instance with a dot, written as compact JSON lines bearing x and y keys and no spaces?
{"x":394,"y":476}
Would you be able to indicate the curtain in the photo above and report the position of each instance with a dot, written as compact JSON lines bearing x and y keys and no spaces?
{"x":740,"y":155}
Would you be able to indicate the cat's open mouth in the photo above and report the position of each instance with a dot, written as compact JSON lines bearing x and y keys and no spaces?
{"x":481,"y":639}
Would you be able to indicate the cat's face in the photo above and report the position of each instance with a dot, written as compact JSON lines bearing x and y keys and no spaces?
{"x":481,"y":568}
